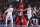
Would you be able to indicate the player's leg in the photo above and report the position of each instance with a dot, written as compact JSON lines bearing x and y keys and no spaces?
{"x":11,"y":19}
{"x":36,"y":22}
{"x":20,"y":20}
{"x":28,"y":20}
{"x":30,"y":23}
{"x":7,"y":18}
{"x":33,"y":21}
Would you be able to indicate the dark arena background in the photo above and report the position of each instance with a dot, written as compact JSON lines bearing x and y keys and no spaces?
{"x":25,"y":13}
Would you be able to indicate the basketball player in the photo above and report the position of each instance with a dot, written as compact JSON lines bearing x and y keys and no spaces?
{"x":9,"y":14}
{"x":35,"y":16}
{"x":28,"y":13}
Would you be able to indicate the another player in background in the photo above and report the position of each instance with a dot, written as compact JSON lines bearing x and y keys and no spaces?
{"x":35,"y":16}
{"x":9,"y":14}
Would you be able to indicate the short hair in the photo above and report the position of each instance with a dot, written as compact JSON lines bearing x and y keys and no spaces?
{"x":10,"y":5}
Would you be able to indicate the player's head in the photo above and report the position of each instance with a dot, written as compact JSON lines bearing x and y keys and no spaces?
{"x":28,"y":5}
{"x":34,"y":8}
{"x":10,"y":6}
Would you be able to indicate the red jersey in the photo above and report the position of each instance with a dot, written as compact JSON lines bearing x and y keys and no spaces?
{"x":4,"y":16}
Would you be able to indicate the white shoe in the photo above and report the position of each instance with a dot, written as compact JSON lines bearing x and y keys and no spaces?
{"x":12,"y":24}
{"x":6,"y":24}
{"x":27,"y":24}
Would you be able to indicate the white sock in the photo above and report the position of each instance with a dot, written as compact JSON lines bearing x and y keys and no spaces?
{"x":27,"y":23}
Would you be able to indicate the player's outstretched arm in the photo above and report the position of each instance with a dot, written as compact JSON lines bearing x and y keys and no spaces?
{"x":6,"y":11}
{"x":25,"y":9}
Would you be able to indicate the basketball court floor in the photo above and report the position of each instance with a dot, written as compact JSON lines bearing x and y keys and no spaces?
{"x":10,"y":25}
